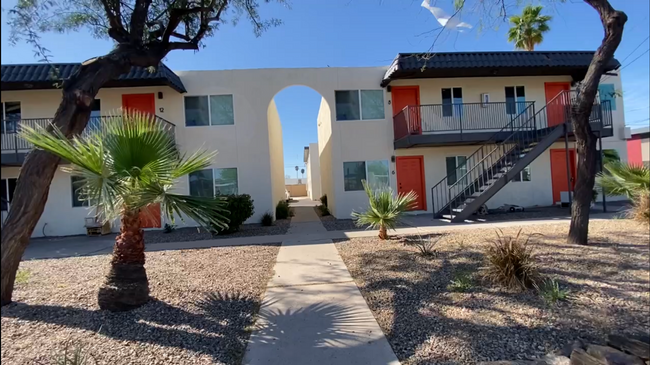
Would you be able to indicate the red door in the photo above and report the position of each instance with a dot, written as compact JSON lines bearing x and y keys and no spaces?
{"x":559,"y":172}
{"x":149,"y":216}
{"x":410,"y":177}
{"x":403,"y":96}
{"x":557,"y":108}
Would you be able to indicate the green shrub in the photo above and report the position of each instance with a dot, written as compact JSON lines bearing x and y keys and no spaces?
{"x":551,"y":292}
{"x":72,"y":356}
{"x":267,"y":219}
{"x":22,"y":276}
{"x":510,"y":261}
{"x":240,"y":208}
{"x":282,"y":210}
{"x":323,"y":210}
{"x":461,"y":282}
{"x":323,"y":200}
{"x":169,"y":228}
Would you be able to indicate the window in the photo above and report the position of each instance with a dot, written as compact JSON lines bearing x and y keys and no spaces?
{"x":209,"y":110}
{"x":10,"y":115}
{"x":452,"y":102}
{"x":524,"y":175}
{"x":456,"y":168}
{"x":95,"y":114}
{"x":376,"y":174}
{"x":515,"y":99}
{"x":8,"y":187}
{"x":359,"y":104}
{"x":607,"y":92}
{"x":77,"y":197}
{"x":214,"y":182}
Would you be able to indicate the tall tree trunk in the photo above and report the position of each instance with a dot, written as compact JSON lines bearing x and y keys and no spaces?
{"x":383,"y":233}
{"x":613,"y":22}
{"x":38,"y":170}
{"x":126,"y":286}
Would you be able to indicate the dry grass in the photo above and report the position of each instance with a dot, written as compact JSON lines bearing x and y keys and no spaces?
{"x":510,"y":261}
{"x":640,"y":210}
{"x":203,"y":302}
{"x":427,"y":323}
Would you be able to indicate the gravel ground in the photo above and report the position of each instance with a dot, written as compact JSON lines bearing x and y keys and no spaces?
{"x":203,"y":302}
{"x":426,"y":323}
{"x":280,"y":226}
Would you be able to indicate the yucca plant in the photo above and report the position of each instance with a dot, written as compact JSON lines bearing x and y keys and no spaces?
{"x":510,"y":261}
{"x":385,"y":209}
{"x":124,"y":166}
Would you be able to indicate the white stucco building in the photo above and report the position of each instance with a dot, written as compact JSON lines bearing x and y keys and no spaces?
{"x":411,"y":125}
{"x":312,"y":166}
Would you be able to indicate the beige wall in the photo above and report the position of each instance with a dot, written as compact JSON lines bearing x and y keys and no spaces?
{"x":324,"y":121}
{"x":297,"y":190}
{"x":276,"y":154}
{"x":313,"y":173}
{"x":645,"y":150}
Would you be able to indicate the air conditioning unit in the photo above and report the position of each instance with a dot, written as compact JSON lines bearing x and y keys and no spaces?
{"x":626,"y":132}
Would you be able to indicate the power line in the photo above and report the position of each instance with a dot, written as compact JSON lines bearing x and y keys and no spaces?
{"x":634,"y":50}
{"x":631,"y":62}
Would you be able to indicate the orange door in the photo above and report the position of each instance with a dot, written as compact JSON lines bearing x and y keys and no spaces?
{"x":559,"y":172}
{"x":410,"y":177}
{"x":403,"y":96}
{"x":557,"y":108}
{"x":150,"y":215}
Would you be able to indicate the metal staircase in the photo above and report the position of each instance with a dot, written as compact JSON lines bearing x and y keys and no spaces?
{"x":503,"y":157}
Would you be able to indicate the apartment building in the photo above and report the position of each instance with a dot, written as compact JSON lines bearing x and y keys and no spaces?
{"x":638,"y":147}
{"x":451,"y":127}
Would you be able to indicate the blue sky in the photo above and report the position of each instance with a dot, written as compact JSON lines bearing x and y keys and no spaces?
{"x":369,"y":33}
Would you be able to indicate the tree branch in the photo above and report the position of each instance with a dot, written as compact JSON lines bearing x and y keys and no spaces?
{"x":205,"y":24}
{"x":181,"y":36}
{"x":183,"y":45}
{"x":138,"y":19}
{"x":116,"y":28}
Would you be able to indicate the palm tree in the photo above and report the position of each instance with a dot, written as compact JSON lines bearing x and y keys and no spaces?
{"x":528,"y":29}
{"x":297,"y":168}
{"x":385,"y":209}
{"x":123,"y":167}
{"x":624,"y":179}
{"x":302,"y":172}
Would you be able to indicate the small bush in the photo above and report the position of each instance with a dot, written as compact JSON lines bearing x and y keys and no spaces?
{"x":267,"y":219}
{"x":76,"y":356}
{"x":551,"y":292}
{"x":461,"y":282}
{"x":22,"y":276}
{"x":169,"y":228}
{"x":282,"y":210}
{"x":510,"y":261}
{"x":425,"y":245}
{"x":640,"y":210}
{"x":240,"y":208}
{"x":324,"y":211}
{"x":323,"y":200}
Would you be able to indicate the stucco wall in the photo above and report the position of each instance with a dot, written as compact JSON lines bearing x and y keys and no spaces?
{"x":313,"y":173}
{"x":324,"y":121}
{"x":276,"y":154}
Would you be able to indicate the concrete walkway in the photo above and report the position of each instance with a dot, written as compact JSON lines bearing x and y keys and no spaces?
{"x":313,"y":312}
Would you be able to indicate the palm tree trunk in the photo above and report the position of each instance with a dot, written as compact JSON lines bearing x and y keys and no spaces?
{"x":383,"y":234}
{"x":126,"y":286}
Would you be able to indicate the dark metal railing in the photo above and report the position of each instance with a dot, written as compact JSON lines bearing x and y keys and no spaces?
{"x":11,"y":140}
{"x":457,"y":118}
{"x":499,"y":155}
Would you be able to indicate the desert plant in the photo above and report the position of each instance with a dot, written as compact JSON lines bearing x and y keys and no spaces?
{"x":624,"y":179}
{"x":126,"y":166}
{"x":323,"y":200}
{"x":640,"y":210}
{"x":461,"y":282}
{"x":324,"y":211}
{"x":551,"y":292}
{"x":426,"y":246}
{"x":22,"y":276}
{"x":282,"y":210}
{"x":76,"y":356}
{"x":385,"y":209}
{"x":240,"y":208}
{"x":267,"y":219}
{"x":528,"y":29}
{"x":510,"y":261}
{"x":169,"y":228}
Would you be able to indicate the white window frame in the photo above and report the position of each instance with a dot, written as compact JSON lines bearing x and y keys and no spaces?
{"x":85,"y":204}
{"x":454,"y":113}
{"x":517,"y":106}
{"x":365,"y":165}
{"x":4,"y":115}
{"x":458,"y":176}
{"x":210,"y":111}
{"x":383,"y":94}
{"x":214,"y":189}
{"x":521,"y":175}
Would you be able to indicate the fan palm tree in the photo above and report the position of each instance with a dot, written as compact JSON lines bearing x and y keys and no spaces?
{"x":528,"y":29}
{"x":624,"y":179}
{"x":384,"y":210}
{"x":129,"y":163}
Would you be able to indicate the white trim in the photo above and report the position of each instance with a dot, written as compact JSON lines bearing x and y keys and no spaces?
{"x":209,"y":111}
{"x":361,"y":107}
{"x":365,"y":165}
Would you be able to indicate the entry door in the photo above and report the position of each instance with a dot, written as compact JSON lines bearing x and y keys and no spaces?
{"x":559,"y":172}
{"x":150,"y":216}
{"x":410,"y":177}
{"x":557,"y":112}
{"x":403,"y":96}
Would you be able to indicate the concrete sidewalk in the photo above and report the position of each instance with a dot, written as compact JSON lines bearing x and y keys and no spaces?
{"x":313,"y":312}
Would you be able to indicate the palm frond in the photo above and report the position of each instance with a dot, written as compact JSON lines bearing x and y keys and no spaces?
{"x":197,"y":161}
{"x":385,"y":208}
{"x":624,"y":179}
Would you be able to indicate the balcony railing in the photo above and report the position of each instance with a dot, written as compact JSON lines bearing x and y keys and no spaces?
{"x":13,"y":146}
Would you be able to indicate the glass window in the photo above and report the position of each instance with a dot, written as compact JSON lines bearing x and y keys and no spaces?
{"x":76,"y":182}
{"x":607,"y":92}
{"x":5,"y":196}
{"x":353,"y":173}
{"x":452,"y":101}
{"x":95,"y":115}
{"x":8,"y":188}
{"x":11,"y":113}
{"x":221,"y":110}
{"x":515,"y":99}
{"x":524,"y":175}
{"x":456,"y":168}
{"x":347,"y":105}
{"x":225,"y":181}
{"x":372,"y":104}
{"x":377,"y":173}
{"x":201,"y":183}
{"x":197,"y":111}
